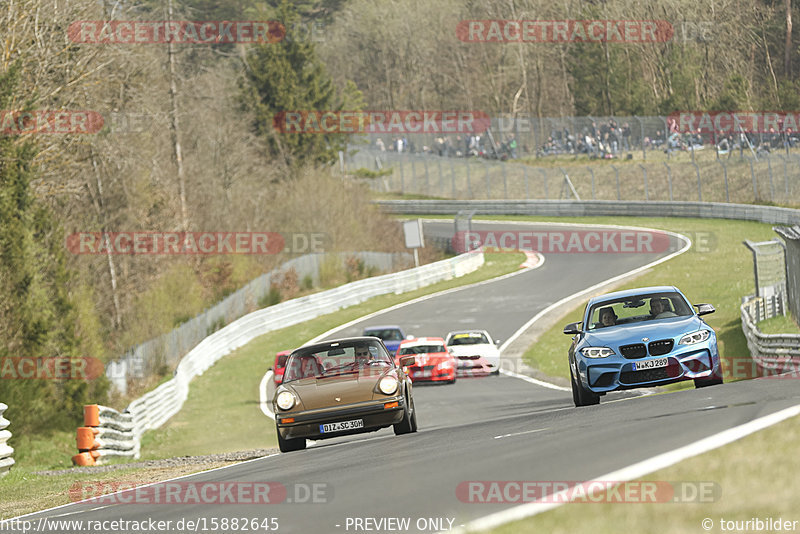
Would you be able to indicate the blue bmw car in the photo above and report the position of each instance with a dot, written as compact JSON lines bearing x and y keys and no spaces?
{"x":642,"y":337}
{"x":391,"y":335}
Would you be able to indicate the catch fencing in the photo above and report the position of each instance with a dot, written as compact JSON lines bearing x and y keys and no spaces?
{"x":6,"y":451}
{"x":747,"y":179}
{"x":154,"y":408}
{"x":166,"y":350}
{"x":791,"y":236}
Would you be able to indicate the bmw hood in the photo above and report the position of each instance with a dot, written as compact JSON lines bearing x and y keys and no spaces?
{"x":668,"y":328}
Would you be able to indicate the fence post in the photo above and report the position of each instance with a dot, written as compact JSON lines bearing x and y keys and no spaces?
{"x":644,"y":176}
{"x":413,"y":175}
{"x":592,"y":171}
{"x":546,"y":189}
{"x":469,"y":184}
{"x":699,"y":187}
{"x":402,"y":177}
{"x":505,"y":181}
{"x":452,"y":178}
{"x":641,"y":138}
{"x":725,"y":173}
{"x":488,"y":185}
{"x":525,"y":176}
{"x":753,"y":176}
{"x":616,"y":172}
{"x":427,"y":177}
{"x":441,"y":176}
{"x":771,"y":184}
{"x":669,"y":179}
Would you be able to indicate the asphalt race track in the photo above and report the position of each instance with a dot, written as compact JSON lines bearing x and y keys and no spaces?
{"x":483,"y":429}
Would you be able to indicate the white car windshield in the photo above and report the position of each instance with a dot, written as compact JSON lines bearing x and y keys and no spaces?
{"x":469,"y":339}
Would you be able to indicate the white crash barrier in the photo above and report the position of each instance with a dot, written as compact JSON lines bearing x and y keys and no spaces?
{"x":6,"y":461}
{"x":106,"y":434}
{"x":773,"y":353}
{"x":154,"y":408}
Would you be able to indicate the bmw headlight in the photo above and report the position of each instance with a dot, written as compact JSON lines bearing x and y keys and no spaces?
{"x":285,"y":400}
{"x":597,"y":352}
{"x":388,"y":385}
{"x":695,"y":337}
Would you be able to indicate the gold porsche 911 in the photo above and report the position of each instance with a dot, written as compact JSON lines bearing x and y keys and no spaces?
{"x":340,"y":387}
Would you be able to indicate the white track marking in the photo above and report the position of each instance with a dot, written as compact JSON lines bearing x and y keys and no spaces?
{"x":519,"y":433}
{"x":634,"y":471}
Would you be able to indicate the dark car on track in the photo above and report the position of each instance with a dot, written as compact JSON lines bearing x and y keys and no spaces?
{"x":345,"y":386}
{"x":640,"y":338}
{"x":391,"y":335}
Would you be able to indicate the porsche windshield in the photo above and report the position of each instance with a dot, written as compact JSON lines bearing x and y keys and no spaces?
{"x":335,"y":359}
{"x":638,"y":308}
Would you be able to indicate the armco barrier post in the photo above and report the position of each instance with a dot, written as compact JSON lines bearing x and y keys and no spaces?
{"x":6,"y":461}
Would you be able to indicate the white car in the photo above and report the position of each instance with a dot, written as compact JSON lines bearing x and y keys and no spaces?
{"x":475,"y":351}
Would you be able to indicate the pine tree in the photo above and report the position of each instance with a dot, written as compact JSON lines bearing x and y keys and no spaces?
{"x":288,"y":76}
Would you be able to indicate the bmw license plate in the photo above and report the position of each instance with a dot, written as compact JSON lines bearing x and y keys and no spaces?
{"x":650,"y":364}
{"x":344,"y":425}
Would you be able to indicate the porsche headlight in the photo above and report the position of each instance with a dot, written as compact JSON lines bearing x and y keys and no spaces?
{"x":597,"y":352}
{"x":695,"y":337}
{"x":285,"y":400}
{"x":388,"y":385}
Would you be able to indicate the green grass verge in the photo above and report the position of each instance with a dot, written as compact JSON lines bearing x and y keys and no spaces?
{"x":755,"y":477}
{"x":211,"y":419}
{"x":717,"y":269}
{"x":779,"y":325}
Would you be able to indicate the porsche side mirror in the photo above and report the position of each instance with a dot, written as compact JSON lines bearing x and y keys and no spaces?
{"x":497,"y":342}
{"x":704,"y":309}
{"x":407,"y":361}
{"x":573,"y":328}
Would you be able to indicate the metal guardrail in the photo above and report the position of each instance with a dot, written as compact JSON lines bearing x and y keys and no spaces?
{"x":154,"y":408}
{"x":6,"y":461}
{"x":771,"y":352}
{"x":584,"y":208}
{"x":167,"y":349}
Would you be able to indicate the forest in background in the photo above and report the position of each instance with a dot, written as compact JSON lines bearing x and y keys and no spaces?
{"x":188,"y":142}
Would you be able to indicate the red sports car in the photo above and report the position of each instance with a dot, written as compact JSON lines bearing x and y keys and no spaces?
{"x":433,"y":363}
{"x":280,"y":366}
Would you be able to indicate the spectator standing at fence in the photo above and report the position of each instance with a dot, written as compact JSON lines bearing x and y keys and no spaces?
{"x":512,"y":146}
{"x":379,"y":144}
{"x":626,"y":137}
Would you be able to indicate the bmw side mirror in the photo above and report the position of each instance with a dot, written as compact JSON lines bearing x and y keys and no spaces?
{"x":573,"y":328}
{"x":704,"y":309}
{"x":497,"y":342}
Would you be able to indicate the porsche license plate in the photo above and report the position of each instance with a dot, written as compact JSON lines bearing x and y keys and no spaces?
{"x":650,"y":364}
{"x":344,"y":425}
